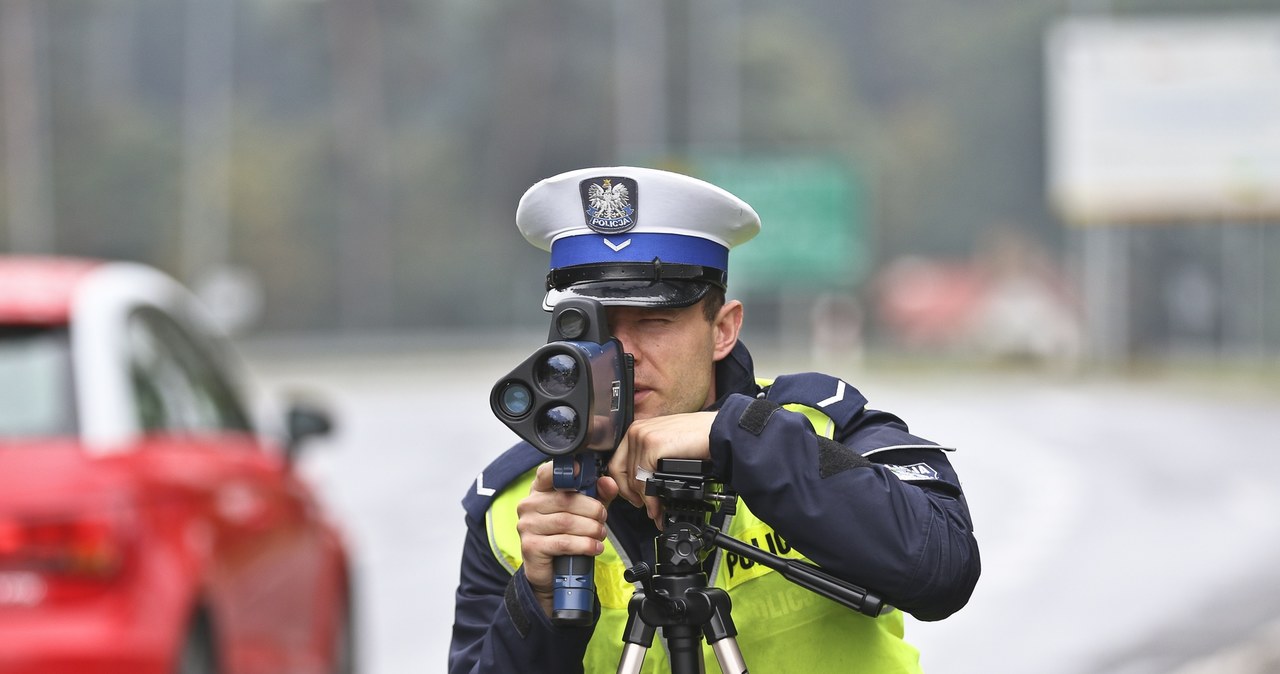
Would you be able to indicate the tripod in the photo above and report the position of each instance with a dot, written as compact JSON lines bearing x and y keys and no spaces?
{"x":675,"y":596}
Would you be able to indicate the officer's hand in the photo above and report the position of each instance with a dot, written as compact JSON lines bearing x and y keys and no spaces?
{"x":556,"y":523}
{"x":679,"y":436}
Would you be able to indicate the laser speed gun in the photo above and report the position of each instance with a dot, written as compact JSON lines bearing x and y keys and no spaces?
{"x":573,"y":401}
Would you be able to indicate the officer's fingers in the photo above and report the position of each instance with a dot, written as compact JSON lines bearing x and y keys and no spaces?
{"x":684,"y":436}
{"x":540,"y":502}
{"x":544,"y":548}
{"x":554,"y":502}
{"x":559,"y":523}
{"x":618,"y":466}
{"x":542,"y":480}
{"x":653,"y":508}
{"x":622,"y":469}
{"x":538,"y":551}
{"x":630,"y":491}
{"x":606,"y":490}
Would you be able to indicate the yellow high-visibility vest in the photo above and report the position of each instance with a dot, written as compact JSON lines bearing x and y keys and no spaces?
{"x":781,"y":626}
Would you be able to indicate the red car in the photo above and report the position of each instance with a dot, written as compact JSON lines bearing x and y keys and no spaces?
{"x":146,"y":525}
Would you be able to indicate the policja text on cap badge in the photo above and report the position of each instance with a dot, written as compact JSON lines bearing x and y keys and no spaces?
{"x":610,"y":204}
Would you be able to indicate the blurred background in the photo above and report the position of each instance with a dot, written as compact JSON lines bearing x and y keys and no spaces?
{"x":1034,"y":224}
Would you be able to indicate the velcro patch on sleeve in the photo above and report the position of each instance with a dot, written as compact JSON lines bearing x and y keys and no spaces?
{"x":834,"y":458}
{"x":757,"y":415}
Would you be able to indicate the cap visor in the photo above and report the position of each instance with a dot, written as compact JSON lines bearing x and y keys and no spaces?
{"x":655,"y":294}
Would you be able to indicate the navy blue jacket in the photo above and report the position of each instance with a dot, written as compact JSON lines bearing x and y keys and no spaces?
{"x":878,"y":507}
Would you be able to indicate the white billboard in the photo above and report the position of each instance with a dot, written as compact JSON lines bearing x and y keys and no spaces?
{"x":1164,"y":120}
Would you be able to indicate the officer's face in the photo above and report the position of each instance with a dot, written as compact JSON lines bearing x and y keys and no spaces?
{"x":675,"y":352}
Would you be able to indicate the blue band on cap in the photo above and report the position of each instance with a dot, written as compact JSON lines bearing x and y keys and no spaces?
{"x":634,"y":247}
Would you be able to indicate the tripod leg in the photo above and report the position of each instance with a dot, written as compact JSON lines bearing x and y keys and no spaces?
{"x":638,"y":637}
{"x":729,"y":657}
{"x":632,"y":659}
{"x":722,"y":634}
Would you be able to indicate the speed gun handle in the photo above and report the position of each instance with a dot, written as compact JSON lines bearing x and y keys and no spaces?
{"x":574,"y":588}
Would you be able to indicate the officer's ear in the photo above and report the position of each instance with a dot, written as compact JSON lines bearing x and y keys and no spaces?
{"x":725,"y":328}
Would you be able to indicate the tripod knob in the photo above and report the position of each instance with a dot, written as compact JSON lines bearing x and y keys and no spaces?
{"x":641,"y":573}
{"x":683,"y":548}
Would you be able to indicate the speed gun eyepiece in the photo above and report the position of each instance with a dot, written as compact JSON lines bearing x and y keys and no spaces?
{"x":573,"y":394}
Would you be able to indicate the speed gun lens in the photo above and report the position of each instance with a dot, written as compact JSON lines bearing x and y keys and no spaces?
{"x":515,"y":400}
{"x":558,"y":428}
{"x":557,"y":375}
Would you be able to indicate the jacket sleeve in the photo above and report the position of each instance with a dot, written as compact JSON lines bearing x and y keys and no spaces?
{"x":498,"y":625}
{"x":875,"y":506}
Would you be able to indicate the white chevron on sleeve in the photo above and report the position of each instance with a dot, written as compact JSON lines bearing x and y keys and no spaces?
{"x":481,"y":489}
{"x":835,"y":398}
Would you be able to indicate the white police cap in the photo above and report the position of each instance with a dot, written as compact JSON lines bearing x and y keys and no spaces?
{"x":630,"y":236}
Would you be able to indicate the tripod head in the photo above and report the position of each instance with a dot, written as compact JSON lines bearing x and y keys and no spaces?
{"x":690,"y":495}
{"x":675,"y":596}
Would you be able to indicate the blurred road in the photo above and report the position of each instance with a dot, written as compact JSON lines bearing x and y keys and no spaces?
{"x":1126,"y":526}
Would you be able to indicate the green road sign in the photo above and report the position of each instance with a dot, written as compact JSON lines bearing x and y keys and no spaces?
{"x":813,"y":215}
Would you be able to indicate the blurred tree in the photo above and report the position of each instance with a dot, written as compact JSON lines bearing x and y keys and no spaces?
{"x":24,"y":99}
{"x":363,"y":171}
{"x":379,"y":147}
{"x":285,"y":220}
{"x":801,"y":90}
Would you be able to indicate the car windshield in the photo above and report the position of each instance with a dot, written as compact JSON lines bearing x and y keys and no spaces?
{"x":35,"y":382}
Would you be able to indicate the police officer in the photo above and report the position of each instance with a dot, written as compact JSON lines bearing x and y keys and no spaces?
{"x":820,"y":475}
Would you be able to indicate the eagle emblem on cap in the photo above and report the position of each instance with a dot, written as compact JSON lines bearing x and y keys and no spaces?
{"x":610,"y":204}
